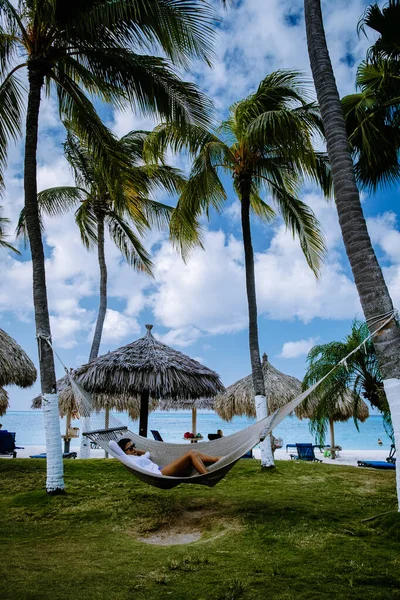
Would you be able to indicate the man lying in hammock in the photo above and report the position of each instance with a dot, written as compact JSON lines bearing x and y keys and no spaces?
{"x":177,"y":468}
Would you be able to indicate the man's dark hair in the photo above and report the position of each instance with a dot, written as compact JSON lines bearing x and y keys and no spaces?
{"x":123,"y":442}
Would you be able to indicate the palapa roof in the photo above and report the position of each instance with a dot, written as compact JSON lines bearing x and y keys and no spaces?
{"x":238,"y":398}
{"x":186,"y":404}
{"x":117,"y":379}
{"x":16,"y":368}
{"x":3,"y":401}
{"x":148,"y":365}
{"x":343,"y":410}
{"x":67,"y":403}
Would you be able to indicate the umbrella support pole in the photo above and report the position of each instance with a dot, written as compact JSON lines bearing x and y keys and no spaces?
{"x":144,"y":413}
{"x":67,"y":440}
{"x":194,"y":421}
{"x":332,"y":428}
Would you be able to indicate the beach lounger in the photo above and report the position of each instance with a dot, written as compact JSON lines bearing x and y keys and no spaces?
{"x":213,"y":436}
{"x":376,"y":464}
{"x":305,"y":452}
{"x":65,"y":455}
{"x":156,"y":435}
{"x":391,"y":458}
{"x":7,"y":444}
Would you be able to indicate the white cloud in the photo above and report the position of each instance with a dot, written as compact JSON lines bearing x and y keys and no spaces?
{"x":184,"y":336}
{"x":296,"y":349}
{"x":117,"y":327}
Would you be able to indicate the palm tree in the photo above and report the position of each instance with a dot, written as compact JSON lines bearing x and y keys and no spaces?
{"x":374,"y":296}
{"x":372,"y":117}
{"x":372,"y":114}
{"x":265,"y":146}
{"x":113,"y":202}
{"x":3,"y":244}
{"x":80,"y":50}
{"x":358,"y":378}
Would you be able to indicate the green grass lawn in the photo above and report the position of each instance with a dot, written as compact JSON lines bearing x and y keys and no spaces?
{"x":289,"y":534}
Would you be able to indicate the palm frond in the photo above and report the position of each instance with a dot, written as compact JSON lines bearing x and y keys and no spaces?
{"x":128,"y":244}
{"x":10,"y":116}
{"x":86,"y":220}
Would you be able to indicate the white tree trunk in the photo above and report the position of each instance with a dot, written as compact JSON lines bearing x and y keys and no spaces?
{"x":392,"y":390}
{"x":267,"y":458}
{"x":85,"y":442}
{"x":55,"y":467}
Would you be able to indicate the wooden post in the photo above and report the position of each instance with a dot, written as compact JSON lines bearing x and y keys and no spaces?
{"x":332,"y":428}
{"x":144,"y":413}
{"x":67,"y":439}
{"x":194,"y":420}
{"x":106,"y":425}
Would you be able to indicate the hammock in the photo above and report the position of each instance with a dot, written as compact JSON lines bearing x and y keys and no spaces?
{"x":230,"y":447}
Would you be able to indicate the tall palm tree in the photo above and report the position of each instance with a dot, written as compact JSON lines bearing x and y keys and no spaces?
{"x":102,"y":201}
{"x":3,"y":243}
{"x":372,"y":115}
{"x":358,"y":378}
{"x":265,"y":146}
{"x":80,"y":50}
{"x":374,"y":296}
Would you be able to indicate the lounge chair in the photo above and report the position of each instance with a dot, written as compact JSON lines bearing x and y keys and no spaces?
{"x":213,"y":436}
{"x":7,"y":444}
{"x":376,"y":464}
{"x":391,"y":458}
{"x":156,"y":435}
{"x":65,"y":455}
{"x":305,"y":452}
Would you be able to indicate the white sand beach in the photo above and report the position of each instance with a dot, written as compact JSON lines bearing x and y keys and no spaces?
{"x":346,"y":457}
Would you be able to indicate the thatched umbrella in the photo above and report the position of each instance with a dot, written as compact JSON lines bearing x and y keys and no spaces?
{"x":185,"y":404}
{"x":67,"y":404}
{"x":16,"y":368}
{"x":342,"y":410}
{"x":147,"y":369}
{"x":3,"y":401}
{"x":238,"y":398}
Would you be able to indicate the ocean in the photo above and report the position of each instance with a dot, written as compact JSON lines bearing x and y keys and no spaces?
{"x":28,"y":426}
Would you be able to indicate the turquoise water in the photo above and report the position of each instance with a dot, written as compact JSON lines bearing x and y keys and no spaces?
{"x":172,"y":425}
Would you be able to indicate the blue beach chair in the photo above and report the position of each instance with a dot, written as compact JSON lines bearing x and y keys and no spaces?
{"x":305,"y":452}
{"x":7,"y":444}
{"x":156,"y":435}
{"x":376,"y":464}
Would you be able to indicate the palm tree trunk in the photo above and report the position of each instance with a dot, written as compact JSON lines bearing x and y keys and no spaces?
{"x":101,"y":315}
{"x":55,"y":468}
{"x":267,"y":459}
{"x":374,"y":296}
{"x":94,"y":352}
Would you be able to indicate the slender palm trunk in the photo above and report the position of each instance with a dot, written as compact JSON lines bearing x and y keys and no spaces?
{"x":101,"y":315}
{"x":94,"y":352}
{"x":374,"y":296}
{"x":55,"y":470}
{"x":267,"y":459}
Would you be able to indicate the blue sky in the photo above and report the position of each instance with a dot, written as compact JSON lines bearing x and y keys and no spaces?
{"x":200,"y":308}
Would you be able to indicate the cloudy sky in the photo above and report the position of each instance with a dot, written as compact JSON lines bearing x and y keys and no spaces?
{"x":200,"y":307}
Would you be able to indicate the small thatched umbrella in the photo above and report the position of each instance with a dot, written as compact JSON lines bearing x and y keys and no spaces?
{"x":238,"y":398}
{"x":3,"y":401}
{"x":67,"y":404}
{"x":194,"y":405}
{"x":147,"y":369}
{"x":342,"y":410}
{"x":16,"y":368}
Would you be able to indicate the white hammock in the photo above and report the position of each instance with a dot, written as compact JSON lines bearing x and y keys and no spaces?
{"x":230,"y":447}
